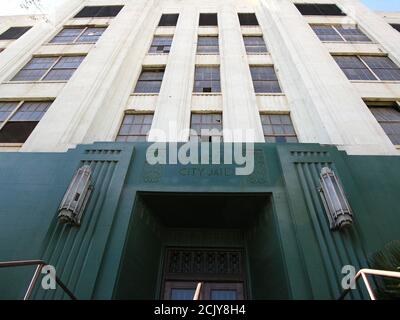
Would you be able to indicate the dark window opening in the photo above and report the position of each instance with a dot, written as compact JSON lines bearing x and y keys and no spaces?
{"x":13,"y":33}
{"x":248,"y":19}
{"x":208,"y":19}
{"x":396,"y":26}
{"x":168,"y":20}
{"x":318,"y":9}
{"x":98,"y":11}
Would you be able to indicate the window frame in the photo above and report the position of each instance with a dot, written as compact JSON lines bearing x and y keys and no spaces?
{"x":134,"y":113}
{"x":360,"y":58}
{"x":221,"y":131}
{"x":203,"y":92}
{"x":147,"y":69}
{"x":207,"y":53}
{"x":59,"y":57}
{"x":160,"y":36}
{"x":277,"y":80}
{"x":85,"y":27}
{"x":295,"y":135}
{"x":255,"y":36}
{"x":390,"y":104}
{"x":344,"y":40}
{"x":20,"y":103}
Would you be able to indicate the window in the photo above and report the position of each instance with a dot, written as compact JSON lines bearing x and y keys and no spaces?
{"x":19,"y":119}
{"x":207,"y":79}
{"x":388,"y":116}
{"x":1,"y":49}
{"x":161,"y":44}
{"x":368,"y":68}
{"x":168,"y":20}
{"x":396,"y":26}
{"x":150,"y":81}
{"x":207,"y":127}
{"x":99,"y":12}
{"x":255,"y":44}
{"x":135,"y":127}
{"x":208,"y":20}
{"x":13,"y":33}
{"x":79,"y":35}
{"x":248,"y":19}
{"x":265,"y":80}
{"x":318,"y":9}
{"x":278,"y":128}
{"x":208,"y":44}
{"x":339,"y":33}
{"x":49,"y":69}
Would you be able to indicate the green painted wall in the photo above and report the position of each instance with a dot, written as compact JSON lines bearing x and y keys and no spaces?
{"x":292,"y":231}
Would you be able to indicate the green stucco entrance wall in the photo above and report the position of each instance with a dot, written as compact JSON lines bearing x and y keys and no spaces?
{"x":288,"y":243}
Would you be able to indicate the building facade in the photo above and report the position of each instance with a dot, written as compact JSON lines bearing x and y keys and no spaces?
{"x":309,"y":84}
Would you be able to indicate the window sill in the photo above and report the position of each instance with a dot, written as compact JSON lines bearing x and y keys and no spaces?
{"x":376,"y":81}
{"x":277,"y":94}
{"x":207,"y":94}
{"x":144,"y":94}
{"x":157,"y":54}
{"x":67,"y":43}
{"x":351,"y":42}
{"x":34,"y":82}
{"x":11,"y":145}
{"x":258,"y":54}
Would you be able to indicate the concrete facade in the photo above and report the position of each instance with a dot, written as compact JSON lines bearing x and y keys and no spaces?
{"x":324,"y":105}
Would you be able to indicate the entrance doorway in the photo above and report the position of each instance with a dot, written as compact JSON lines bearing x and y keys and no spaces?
{"x":229,"y":242}
{"x":217,"y":274}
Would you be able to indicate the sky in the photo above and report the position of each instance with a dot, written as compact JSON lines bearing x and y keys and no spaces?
{"x":14,"y":7}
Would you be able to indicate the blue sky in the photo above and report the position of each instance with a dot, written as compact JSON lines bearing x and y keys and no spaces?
{"x":383,"y":5}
